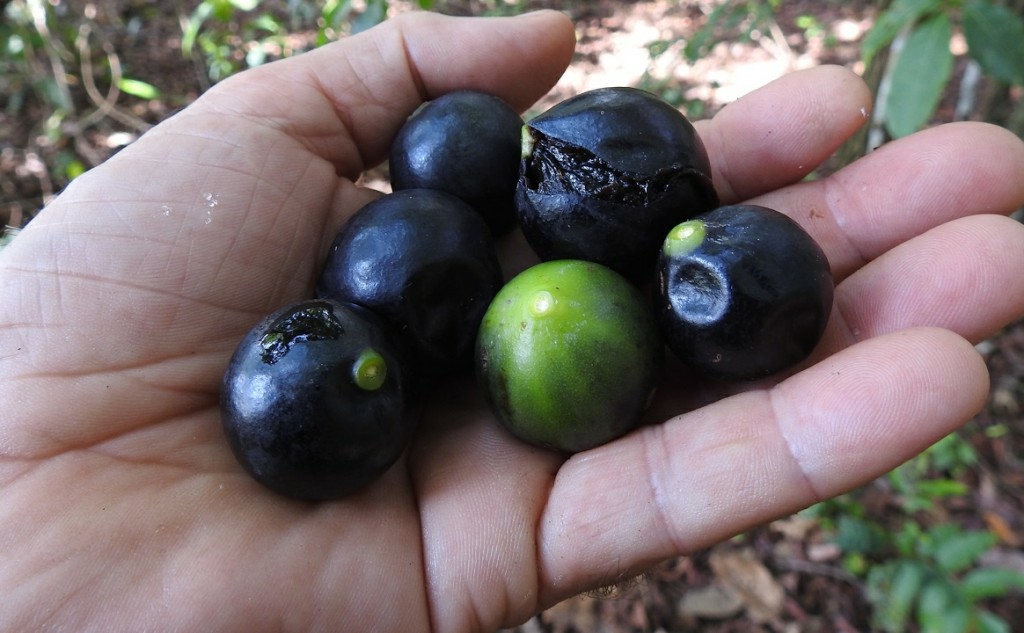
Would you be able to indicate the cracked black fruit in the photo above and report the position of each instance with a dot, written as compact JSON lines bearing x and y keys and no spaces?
{"x":464,"y":143}
{"x":743,"y":292}
{"x":605,"y":174}
{"x":569,"y":355}
{"x":425,"y":262}
{"x":313,"y":402}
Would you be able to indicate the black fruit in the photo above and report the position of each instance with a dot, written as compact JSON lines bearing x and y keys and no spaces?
{"x":569,"y":355}
{"x":313,"y":401}
{"x":606,"y":174}
{"x":425,"y":262}
{"x":742,"y":292}
{"x":464,"y":143}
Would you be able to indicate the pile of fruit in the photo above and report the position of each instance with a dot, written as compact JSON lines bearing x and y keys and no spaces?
{"x":612,"y":190}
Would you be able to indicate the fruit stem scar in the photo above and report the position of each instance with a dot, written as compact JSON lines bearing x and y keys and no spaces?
{"x":684,"y":238}
{"x":370,"y":370}
{"x":543,"y":303}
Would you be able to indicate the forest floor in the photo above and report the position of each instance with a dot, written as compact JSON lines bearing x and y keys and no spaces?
{"x":792,"y":575}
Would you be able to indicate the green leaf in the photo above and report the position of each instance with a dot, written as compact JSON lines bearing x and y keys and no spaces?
{"x":139,"y":89}
{"x":995,"y":39}
{"x":726,"y":17}
{"x":892,"y":589}
{"x":908,"y":538}
{"x":951,"y":453}
{"x":335,"y":11}
{"x":890,"y":22}
{"x":74,"y":169}
{"x":989,"y":622}
{"x":990,"y":582}
{"x":375,"y":13}
{"x":921,"y":72}
{"x":191,"y":30}
{"x":941,"y":609}
{"x":223,"y":10}
{"x":860,"y":536}
{"x":941,"y":488}
{"x":266,"y":22}
{"x":657,"y":48}
{"x":960,"y":550}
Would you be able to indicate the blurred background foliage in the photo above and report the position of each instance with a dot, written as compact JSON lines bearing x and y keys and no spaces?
{"x":81,"y":79}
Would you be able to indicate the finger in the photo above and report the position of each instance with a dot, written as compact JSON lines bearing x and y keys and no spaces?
{"x":905,"y":188}
{"x":778,"y":134}
{"x":963,"y":276}
{"x":479,"y":492}
{"x":713,"y":473}
{"x":347,"y":100}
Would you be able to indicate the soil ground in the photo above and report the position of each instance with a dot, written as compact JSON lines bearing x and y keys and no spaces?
{"x":782,"y":577}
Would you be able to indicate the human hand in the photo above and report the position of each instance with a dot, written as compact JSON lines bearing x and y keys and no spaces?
{"x":122,"y":508}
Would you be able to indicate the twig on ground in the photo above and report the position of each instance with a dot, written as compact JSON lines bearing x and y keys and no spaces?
{"x":105,"y":105}
{"x":968,"y":93}
{"x":819,"y":569}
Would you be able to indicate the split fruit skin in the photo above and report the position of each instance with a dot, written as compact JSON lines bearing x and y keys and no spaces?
{"x":313,"y":402}
{"x":742,"y":292}
{"x":465,"y":143}
{"x":569,"y":355}
{"x":426,"y":263}
{"x":605,"y":174}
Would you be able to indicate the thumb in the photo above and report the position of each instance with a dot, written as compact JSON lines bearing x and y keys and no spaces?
{"x":347,"y":100}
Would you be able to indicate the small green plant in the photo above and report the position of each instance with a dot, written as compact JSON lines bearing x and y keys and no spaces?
{"x":916,"y":572}
{"x":232,"y":35}
{"x":934,"y":474}
{"x":56,"y":68}
{"x":813,"y":28}
{"x":923,"y":63}
{"x":229,"y":37}
{"x":727,"y":21}
{"x":339,"y":17}
{"x":37,"y":49}
{"x":935,"y":582}
{"x":733,"y":21}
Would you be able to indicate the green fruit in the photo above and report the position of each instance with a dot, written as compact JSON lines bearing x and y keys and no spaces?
{"x":568,"y":355}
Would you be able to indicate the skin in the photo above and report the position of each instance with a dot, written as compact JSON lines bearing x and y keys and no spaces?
{"x":121,"y":507}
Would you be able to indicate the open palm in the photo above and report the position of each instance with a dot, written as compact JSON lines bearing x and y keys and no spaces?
{"x":122,"y":508}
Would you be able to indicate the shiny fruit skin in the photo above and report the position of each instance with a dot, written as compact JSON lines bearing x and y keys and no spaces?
{"x":743,"y":292}
{"x":604,"y":176}
{"x":425,"y":262}
{"x":568,"y":355}
{"x":313,"y":401}
{"x":465,"y":143}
